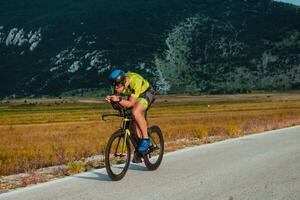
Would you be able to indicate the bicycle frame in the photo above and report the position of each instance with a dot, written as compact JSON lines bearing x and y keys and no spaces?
{"x":125,"y":127}
{"x":117,"y":158}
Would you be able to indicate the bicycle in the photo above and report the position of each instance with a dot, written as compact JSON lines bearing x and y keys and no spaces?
{"x":118,"y":149}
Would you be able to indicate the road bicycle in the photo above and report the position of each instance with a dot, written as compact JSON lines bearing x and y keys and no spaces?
{"x":118,"y":148}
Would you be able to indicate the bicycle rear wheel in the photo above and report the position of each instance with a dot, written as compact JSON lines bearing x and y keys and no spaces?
{"x":156,"y":149}
{"x":117,"y":156}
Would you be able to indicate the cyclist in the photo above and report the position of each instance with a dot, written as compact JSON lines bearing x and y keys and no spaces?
{"x":140,"y":97}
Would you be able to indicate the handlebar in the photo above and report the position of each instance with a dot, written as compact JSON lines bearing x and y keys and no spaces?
{"x":123,"y":112}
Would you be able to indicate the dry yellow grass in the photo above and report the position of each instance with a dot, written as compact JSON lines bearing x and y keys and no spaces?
{"x":45,"y":134}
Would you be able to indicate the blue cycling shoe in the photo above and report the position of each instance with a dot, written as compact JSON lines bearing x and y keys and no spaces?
{"x":144,"y":145}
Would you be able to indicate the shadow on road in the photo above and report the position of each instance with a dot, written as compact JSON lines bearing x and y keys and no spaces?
{"x":134,"y":167}
{"x":137,"y":167}
{"x":104,"y":177}
{"x":99,"y":177}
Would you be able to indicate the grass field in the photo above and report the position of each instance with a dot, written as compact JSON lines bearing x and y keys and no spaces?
{"x":39,"y":133}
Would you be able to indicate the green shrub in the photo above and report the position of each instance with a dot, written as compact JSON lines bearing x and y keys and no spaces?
{"x":232,"y":130}
{"x":200,"y":133}
{"x":75,"y":167}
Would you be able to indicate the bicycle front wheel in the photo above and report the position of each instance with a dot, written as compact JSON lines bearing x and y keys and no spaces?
{"x":156,"y":149}
{"x":117,"y":156}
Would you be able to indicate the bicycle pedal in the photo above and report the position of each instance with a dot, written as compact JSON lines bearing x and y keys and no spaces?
{"x":137,"y":158}
{"x":137,"y":161}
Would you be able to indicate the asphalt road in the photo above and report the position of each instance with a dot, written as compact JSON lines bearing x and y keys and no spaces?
{"x":262,"y":166}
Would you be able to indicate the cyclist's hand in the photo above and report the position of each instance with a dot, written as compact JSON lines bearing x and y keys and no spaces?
{"x":115,"y":98}
{"x":108,"y":99}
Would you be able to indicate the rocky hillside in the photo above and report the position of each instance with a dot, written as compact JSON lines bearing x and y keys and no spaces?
{"x":55,"y":47}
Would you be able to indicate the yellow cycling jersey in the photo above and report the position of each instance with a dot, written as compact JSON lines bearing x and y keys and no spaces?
{"x":137,"y":85}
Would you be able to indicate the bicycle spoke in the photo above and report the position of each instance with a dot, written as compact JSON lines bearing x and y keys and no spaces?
{"x":117,"y":145}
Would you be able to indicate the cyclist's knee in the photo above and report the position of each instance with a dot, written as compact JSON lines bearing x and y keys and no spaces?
{"x":137,"y":112}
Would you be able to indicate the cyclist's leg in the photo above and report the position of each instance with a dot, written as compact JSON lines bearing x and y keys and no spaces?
{"x":139,"y":111}
{"x":139,"y":116}
{"x":140,"y":108}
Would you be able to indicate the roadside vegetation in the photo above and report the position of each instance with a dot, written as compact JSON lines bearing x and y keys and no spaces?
{"x":41,"y":133}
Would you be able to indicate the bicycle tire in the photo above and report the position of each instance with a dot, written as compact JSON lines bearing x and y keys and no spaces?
{"x":118,"y":135}
{"x":147,"y":157}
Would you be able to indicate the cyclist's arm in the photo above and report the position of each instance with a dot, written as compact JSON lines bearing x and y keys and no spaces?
{"x":128,"y":103}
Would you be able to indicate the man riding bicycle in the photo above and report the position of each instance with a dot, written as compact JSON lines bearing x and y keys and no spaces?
{"x":140,"y":97}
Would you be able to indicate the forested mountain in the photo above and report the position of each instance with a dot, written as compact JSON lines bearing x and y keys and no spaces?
{"x":52,"y":47}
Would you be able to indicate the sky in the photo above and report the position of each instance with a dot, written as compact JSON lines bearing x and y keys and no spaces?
{"x":296,"y":2}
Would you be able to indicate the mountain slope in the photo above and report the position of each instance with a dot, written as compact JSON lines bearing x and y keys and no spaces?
{"x":51,"y":47}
